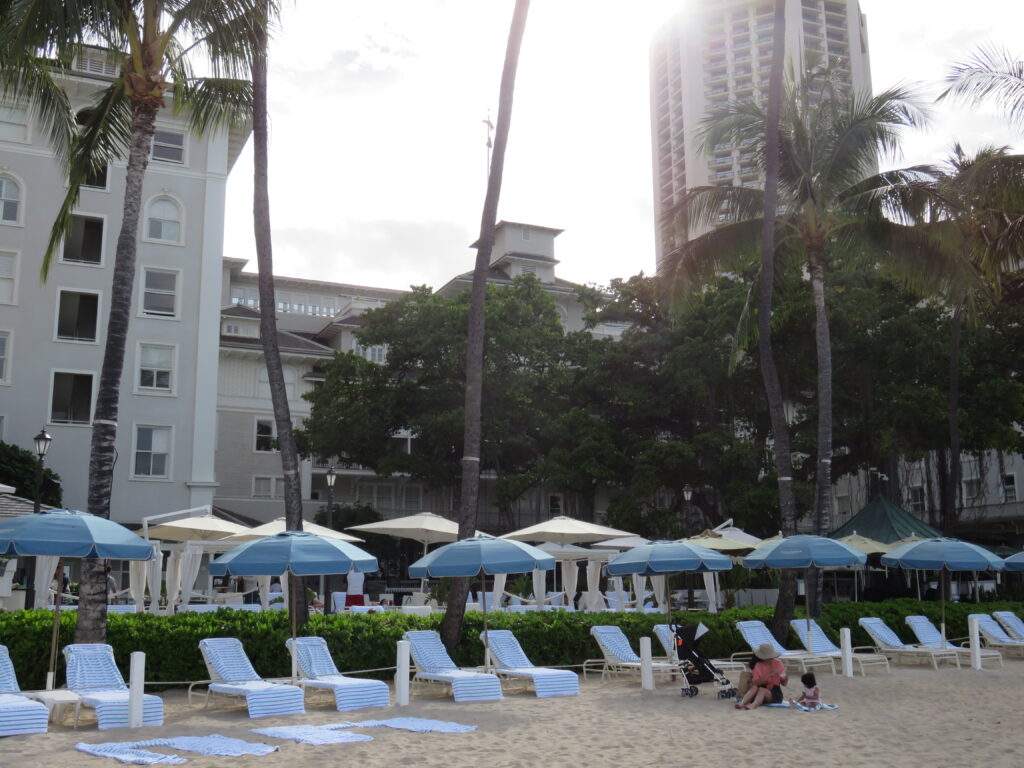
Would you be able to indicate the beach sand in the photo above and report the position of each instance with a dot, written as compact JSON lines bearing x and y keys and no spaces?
{"x":913,"y":717}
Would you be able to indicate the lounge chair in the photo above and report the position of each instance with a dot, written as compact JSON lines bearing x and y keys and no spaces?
{"x":94,"y":676}
{"x":928,"y":636}
{"x":755,"y":632}
{"x":820,"y":645}
{"x":667,"y":637}
{"x":995,"y":636}
{"x":319,"y":671}
{"x":1012,"y":623}
{"x":434,"y":665}
{"x":511,"y":662}
{"x":889,"y":643}
{"x":619,"y":656}
{"x":231,"y":674}
{"x":18,"y":715}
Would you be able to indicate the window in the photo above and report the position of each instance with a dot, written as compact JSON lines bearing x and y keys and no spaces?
{"x":413,"y":498}
{"x":84,"y":243}
{"x":71,"y":399}
{"x":268,"y":487}
{"x":96,"y":179}
{"x":77,"y":316}
{"x":152,"y":451}
{"x":844,"y":507}
{"x":972,"y":489}
{"x":5,"y":356}
{"x":528,"y":269}
{"x":377,"y":353}
{"x":10,"y":200}
{"x":1009,"y":481}
{"x":917,"y":500}
{"x":159,"y":297}
{"x":555,"y":505}
{"x":232,"y":329}
{"x":164,"y":221}
{"x":8,"y":276}
{"x":13,"y":124}
{"x":265,"y":436}
{"x":156,"y":367}
{"x":380,"y":496}
{"x":168,"y":147}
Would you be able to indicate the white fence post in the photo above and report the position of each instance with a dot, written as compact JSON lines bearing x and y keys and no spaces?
{"x":847,"y":648}
{"x":972,"y":632}
{"x":402,"y":674}
{"x":646,"y":665}
{"x":135,"y":689}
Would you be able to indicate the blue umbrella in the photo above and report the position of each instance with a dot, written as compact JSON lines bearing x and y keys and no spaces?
{"x":69,"y":533}
{"x":482,"y":555}
{"x":1015,"y":562}
{"x":664,"y":558}
{"x":942,"y":554}
{"x":297,"y":552}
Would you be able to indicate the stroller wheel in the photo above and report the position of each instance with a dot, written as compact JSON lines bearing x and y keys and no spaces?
{"x":686,"y":692}
{"x":693,"y":690}
{"x":732,"y":693}
{"x":724,"y":694}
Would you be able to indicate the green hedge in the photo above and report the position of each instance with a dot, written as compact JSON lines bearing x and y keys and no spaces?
{"x":367,"y":641}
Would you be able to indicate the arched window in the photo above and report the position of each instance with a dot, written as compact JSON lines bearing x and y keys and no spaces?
{"x":163,"y":222}
{"x":10,"y":200}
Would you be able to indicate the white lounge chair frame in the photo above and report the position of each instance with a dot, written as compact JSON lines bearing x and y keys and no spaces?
{"x":102,"y":688}
{"x":819,"y":644}
{"x":888,"y":643}
{"x":319,"y":673}
{"x":994,"y":636}
{"x":619,"y":657}
{"x":216,"y":678}
{"x":1012,"y":623}
{"x":666,"y":636}
{"x":426,"y":643}
{"x":755,"y":632}
{"x":511,"y":664}
{"x":930,"y":637}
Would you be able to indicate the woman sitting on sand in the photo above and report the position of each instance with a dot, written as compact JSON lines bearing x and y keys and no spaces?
{"x":769,"y":677}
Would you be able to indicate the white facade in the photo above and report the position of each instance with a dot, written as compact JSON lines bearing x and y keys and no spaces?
{"x":717,"y":51}
{"x":52,"y":334}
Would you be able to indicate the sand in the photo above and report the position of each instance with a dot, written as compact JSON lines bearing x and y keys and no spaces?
{"x":912,"y":717}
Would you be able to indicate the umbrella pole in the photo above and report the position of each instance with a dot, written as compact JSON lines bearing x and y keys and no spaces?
{"x":51,"y":672}
{"x":942,"y":601}
{"x":807,"y":606}
{"x":295,"y":620}
{"x":487,"y":643}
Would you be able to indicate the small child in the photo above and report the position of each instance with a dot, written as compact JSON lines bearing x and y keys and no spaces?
{"x":811,"y":697}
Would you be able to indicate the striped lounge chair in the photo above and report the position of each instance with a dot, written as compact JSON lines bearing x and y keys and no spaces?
{"x":434,"y":665}
{"x":18,"y":715}
{"x":1012,"y":623}
{"x":619,"y":656}
{"x":995,"y":636}
{"x":318,"y":670}
{"x":231,"y":674}
{"x":929,"y":637}
{"x":755,"y":632}
{"x":667,"y":637}
{"x":94,"y":676}
{"x":511,"y":662}
{"x":888,"y":642}
{"x":820,"y":645}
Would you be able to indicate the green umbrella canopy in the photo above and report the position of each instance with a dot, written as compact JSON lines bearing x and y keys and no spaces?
{"x":883,"y":521}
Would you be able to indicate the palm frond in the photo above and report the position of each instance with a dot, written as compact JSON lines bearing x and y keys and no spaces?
{"x":214,"y":103}
{"x":990,"y":74}
{"x":701,"y":261}
{"x":906,"y":195}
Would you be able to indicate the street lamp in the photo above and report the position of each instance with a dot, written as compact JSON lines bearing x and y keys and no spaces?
{"x":42,"y":445}
{"x":330,"y":477}
{"x":687,"y":492}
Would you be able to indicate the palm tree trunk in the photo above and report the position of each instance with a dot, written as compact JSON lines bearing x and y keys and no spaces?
{"x":91,"y":624}
{"x":949,"y":509}
{"x":769,"y":369}
{"x":471,"y":441}
{"x":268,"y":317}
{"x":823,"y":474}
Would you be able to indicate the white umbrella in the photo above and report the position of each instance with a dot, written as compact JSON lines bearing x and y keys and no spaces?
{"x":621,"y":542}
{"x":563,"y":552}
{"x":277,"y":526}
{"x":565,"y":530}
{"x":592,"y":599}
{"x":197,"y":528}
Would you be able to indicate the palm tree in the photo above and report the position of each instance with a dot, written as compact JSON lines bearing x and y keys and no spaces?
{"x":152,"y":42}
{"x":469,"y":492}
{"x":829,"y":143}
{"x":992,"y":73}
{"x":268,"y":303}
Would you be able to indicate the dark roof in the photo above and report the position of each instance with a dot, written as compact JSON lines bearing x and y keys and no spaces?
{"x":237,"y":310}
{"x":11,"y":505}
{"x":883,"y":521}
{"x":287,"y":341}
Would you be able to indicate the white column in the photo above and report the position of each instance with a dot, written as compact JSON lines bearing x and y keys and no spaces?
{"x":402,"y":674}
{"x":646,"y":665}
{"x":135,"y":689}
{"x":972,"y":633}
{"x":847,"y":649}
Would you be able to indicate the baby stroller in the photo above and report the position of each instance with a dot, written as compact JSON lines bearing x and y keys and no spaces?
{"x":694,"y":666}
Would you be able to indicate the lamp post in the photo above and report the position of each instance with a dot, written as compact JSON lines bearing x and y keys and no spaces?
{"x":687,"y":495}
{"x":330,"y":477}
{"x":42,"y":445}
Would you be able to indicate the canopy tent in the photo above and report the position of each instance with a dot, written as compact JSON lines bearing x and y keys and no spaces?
{"x":278,"y":525}
{"x":883,"y":521}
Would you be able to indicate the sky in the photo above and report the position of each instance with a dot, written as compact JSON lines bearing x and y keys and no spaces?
{"x":378,"y":141}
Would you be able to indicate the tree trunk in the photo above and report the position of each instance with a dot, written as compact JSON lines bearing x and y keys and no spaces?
{"x":823,"y":474}
{"x":475,"y":336}
{"x":268,"y":318}
{"x":952,"y":495}
{"x":769,"y":369}
{"x":91,"y":624}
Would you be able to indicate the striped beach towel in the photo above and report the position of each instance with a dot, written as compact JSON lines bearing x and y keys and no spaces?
{"x":433,"y":663}
{"x":312,"y":734}
{"x":512,"y":661}
{"x":233,"y":675}
{"x":93,"y":675}
{"x":319,"y":671}
{"x":18,"y":715}
{"x":138,"y":752}
{"x":416,"y":724}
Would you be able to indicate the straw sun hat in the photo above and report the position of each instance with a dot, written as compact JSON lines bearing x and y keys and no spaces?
{"x":766,"y":651}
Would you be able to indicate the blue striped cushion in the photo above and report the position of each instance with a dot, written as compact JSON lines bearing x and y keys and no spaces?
{"x":354,"y":693}
{"x":820,"y":644}
{"x":227,"y":659}
{"x":506,"y":649}
{"x":428,"y":652}
{"x":265,"y":699}
{"x":8,"y":679}
{"x":112,"y":708}
{"x":19,"y":716}
{"x":755,"y":633}
{"x":91,"y":666}
{"x":614,"y":643}
{"x":313,"y":658}
{"x":882,"y":633}
{"x":468,"y":686}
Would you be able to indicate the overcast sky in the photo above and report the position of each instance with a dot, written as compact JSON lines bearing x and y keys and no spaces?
{"x":377,"y":156}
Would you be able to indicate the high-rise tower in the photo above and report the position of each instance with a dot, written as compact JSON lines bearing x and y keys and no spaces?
{"x":718,"y":51}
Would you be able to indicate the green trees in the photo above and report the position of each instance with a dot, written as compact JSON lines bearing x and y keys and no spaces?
{"x":18,"y":469}
{"x":152,"y":43}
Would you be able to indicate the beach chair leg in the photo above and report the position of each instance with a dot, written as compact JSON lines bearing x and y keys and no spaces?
{"x":78,"y":711}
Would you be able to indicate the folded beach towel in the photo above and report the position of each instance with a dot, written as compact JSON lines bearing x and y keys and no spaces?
{"x":467,"y":686}
{"x":112,"y":708}
{"x":137,"y":752}
{"x":417,"y":724}
{"x":265,"y":699}
{"x":18,"y":715}
{"x":354,"y":693}
{"x":312,"y":734}
{"x":547,"y":682}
